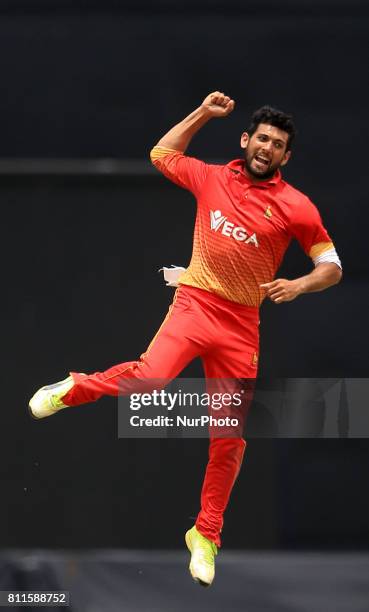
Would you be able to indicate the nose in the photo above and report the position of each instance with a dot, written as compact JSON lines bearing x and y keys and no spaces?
{"x":267,"y":146}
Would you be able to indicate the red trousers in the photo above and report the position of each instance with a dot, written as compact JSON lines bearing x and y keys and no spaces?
{"x":225,"y":336}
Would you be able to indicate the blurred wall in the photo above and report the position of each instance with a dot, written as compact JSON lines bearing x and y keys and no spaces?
{"x":80,"y":257}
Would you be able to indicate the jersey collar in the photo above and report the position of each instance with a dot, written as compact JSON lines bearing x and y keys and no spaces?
{"x":237,"y":167}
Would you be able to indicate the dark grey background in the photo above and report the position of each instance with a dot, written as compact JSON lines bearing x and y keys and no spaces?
{"x":80,"y":255}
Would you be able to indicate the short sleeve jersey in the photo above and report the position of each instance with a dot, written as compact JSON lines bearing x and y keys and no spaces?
{"x":242,"y":228}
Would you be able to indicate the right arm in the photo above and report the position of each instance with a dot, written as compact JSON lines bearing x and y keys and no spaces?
{"x":168,"y":156}
{"x":179,"y":137}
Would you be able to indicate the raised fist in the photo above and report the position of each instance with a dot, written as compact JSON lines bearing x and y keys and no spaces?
{"x":218,"y":105}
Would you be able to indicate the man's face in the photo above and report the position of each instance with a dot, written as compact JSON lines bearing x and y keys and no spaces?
{"x":265,"y":151}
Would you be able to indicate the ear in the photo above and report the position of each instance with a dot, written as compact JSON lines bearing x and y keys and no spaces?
{"x":245,"y":139}
{"x":286,"y":157}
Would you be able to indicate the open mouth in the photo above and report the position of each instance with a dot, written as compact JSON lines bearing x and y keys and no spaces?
{"x":262,"y":161}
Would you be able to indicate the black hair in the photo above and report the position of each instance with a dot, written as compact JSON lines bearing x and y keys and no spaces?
{"x":277,"y":118}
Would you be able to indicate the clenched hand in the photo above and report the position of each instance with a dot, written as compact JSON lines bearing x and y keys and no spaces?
{"x":218,"y":104}
{"x":283,"y":290}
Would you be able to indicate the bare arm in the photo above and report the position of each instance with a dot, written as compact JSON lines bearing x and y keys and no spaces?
{"x":323,"y":276}
{"x":179,"y":137}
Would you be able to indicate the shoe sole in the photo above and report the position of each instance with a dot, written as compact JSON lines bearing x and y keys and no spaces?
{"x":194,"y":578}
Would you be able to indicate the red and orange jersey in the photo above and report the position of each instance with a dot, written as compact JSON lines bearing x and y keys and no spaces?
{"x":242,"y":228}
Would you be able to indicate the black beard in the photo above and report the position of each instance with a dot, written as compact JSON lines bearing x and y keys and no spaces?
{"x":261,"y":176}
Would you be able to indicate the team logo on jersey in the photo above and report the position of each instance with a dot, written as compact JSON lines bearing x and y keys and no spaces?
{"x":219,"y":222}
{"x":268,"y":213}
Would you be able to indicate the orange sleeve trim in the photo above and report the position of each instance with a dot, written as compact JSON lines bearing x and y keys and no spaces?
{"x":321,"y":247}
{"x":158,"y":152}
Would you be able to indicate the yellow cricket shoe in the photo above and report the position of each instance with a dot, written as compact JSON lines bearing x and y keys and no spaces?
{"x":203,"y":551}
{"x":47,"y":400}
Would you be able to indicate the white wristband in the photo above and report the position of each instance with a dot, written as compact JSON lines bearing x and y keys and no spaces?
{"x":329,"y":256}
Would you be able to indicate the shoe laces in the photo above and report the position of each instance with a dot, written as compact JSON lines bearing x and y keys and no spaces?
{"x":54,"y":401}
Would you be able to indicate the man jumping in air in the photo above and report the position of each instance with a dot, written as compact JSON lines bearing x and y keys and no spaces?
{"x":246,"y":217}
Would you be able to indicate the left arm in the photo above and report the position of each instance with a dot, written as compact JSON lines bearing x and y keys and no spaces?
{"x":323,"y":276}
